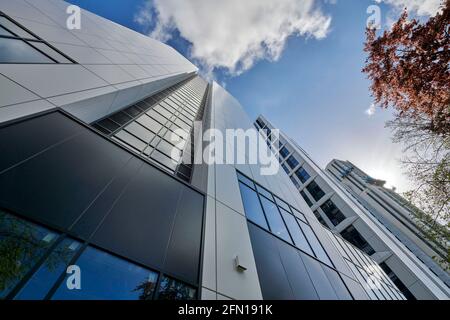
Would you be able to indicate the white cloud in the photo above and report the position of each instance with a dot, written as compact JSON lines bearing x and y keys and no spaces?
{"x":234,"y":34}
{"x":420,"y":7}
{"x":371,"y":111}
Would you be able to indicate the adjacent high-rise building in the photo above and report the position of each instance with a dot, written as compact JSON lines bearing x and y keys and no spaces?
{"x":359,"y":209}
{"x":102,"y":195}
{"x":425,"y":237}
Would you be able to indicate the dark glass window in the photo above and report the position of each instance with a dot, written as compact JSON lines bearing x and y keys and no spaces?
{"x":133,"y":111}
{"x":22,"y":244}
{"x":171,"y":289}
{"x":120,"y":118}
{"x":109,"y":124}
{"x":44,"y":279}
{"x":302,"y":175}
{"x":354,"y":237}
{"x":19,"y":46}
{"x":284,"y":152}
{"x":315,"y":243}
{"x":106,"y":277}
{"x":315,"y":191}
{"x":308,"y":201}
{"x":296,"y":233}
{"x":275,"y":220}
{"x":252,"y":206}
{"x":333,"y":213}
{"x":292,"y":162}
{"x":101,"y":129}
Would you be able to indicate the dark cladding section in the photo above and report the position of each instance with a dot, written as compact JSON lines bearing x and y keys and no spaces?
{"x":62,"y":175}
{"x":286,"y":273}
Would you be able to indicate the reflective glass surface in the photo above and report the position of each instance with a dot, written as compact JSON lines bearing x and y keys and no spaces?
{"x":170,"y":289}
{"x":305,"y":197}
{"x":333,"y":213}
{"x":50,"y":52}
{"x":296,"y":233}
{"x":106,"y":277}
{"x":252,"y":206}
{"x":292,"y":162}
{"x":22,"y":244}
{"x":43,"y":280}
{"x":284,"y":152}
{"x":246,"y":180}
{"x":315,"y":243}
{"x":4,"y":32}
{"x":315,"y":191}
{"x":276,"y":223}
{"x":302,"y":175}
{"x":18,"y":51}
{"x":264,"y":192}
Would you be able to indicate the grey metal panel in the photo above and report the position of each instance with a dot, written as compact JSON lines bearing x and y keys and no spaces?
{"x":183,"y":254}
{"x":141,"y":221}
{"x":19,"y":141}
{"x":296,"y":272}
{"x":90,"y":183}
{"x":272,"y":277}
{"x":319,"y":278}
{"x":55,"y":186}
{"x":88,"y":222}
{"x":355,"y":288}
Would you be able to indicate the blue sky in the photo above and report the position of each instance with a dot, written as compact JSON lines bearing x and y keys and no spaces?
{"x":314,"y":91}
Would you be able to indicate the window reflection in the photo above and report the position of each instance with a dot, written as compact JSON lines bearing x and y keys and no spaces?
{"x":106,"y":277}
{"x":333,"y":213}
{"x":252,"y":206}
{"x":18,"y":51}
{"x":171,"y":289}
{"x":276,"y":223}
{"x":22,"y":244}
{"x":302,"y":175}
{"x":55,"y":265}
{"x":315,"y":243}
{"x":296,"y":233}
{"x":315,"y":191}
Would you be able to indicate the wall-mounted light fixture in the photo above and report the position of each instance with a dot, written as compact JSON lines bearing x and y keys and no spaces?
{"x":239,"y":266}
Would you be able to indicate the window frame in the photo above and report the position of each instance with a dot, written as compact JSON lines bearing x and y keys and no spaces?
{"x":84,"y":244}
{"x":241,"y":178}
{"x":30,"y":41}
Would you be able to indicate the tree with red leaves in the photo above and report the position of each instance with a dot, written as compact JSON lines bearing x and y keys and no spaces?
{"x":408,"y":66}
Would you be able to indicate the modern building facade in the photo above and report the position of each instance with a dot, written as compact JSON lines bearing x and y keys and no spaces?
{"x":407,"y":220}
{"x":349,"y":212}
{"x":100,"y":197}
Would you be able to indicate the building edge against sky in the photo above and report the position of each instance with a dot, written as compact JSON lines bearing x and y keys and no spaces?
{"x":91,"y":183}
{"x":360,"y":209}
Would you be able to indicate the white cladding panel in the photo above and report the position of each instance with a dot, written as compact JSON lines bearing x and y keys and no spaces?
{"x":115,"y":65}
